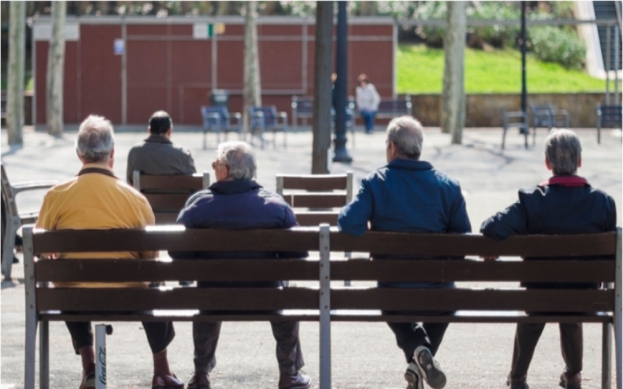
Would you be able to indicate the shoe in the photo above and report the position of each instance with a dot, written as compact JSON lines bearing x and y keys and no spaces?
{"x":516,"y":384}
{"x":413,"y":375}
{"x":298,"y":381}
{"x":199,"y":380}
{"x":88,"y":377}
{"x":431,"y":371}
{"x":571,"y":381}
{"x":166,"y":382}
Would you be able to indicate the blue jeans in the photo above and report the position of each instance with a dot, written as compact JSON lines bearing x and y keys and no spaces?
{"x":368,"y":120}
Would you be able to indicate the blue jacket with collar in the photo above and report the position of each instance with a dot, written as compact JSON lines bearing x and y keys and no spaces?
{"x":407,"y":196}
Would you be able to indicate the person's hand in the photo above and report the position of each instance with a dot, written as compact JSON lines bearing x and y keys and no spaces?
{"x":490,"y":258}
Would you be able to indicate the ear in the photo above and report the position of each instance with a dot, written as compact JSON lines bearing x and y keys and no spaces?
{"x":580,"y":162}
{"x":111,"y":160}
{"x":549,"y":165}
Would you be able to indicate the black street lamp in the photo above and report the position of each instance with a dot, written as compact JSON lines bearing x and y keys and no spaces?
{"x":341,"y":154}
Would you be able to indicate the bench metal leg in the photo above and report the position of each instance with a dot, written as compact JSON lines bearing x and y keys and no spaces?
{"x":44,"y":355}
{"x":12,"y":226}
{"x":617,"y":310}
{"x":504,"y":137}
{"x":325,"y":308}
{"x":31,"y":311}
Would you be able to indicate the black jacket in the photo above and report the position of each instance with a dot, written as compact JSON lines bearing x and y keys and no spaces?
{"x":561,"y":205}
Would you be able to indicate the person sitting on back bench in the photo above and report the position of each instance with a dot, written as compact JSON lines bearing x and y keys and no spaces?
{"x":564,"y":204}
{"x":96,"y":199}
{"x":237,"y":202}
{"x":157,"y":155}
{"x":409,"y":195}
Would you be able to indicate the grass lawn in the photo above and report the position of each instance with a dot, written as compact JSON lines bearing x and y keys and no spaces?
{"x":420,"y":70}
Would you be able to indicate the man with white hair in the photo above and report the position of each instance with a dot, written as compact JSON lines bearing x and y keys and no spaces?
{"x":563,"y":204}
{"x":409,"y":195}
{"x":237,"y":202}
{"x":96,"y":199}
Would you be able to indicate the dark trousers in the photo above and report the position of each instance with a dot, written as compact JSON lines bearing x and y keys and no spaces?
{"x":286,"y":333}
{"x":410,"y":336}
{"x":159,"y":334}
{"x":526,"y":338}
{"x":368,"y":120}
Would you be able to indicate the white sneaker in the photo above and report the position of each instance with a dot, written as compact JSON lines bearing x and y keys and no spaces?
{"x":431,"y":371}
{"x":413,"y":375}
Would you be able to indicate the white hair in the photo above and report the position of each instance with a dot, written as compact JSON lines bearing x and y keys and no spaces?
{"x":96,"y":139}
{"x":239,"y":159}
{"x":408,"y":136}
{"x":563,"y":151}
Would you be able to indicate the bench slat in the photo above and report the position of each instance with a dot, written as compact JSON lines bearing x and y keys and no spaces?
{"x":473,"y":244}
{"x":365,"y":316}
{"x":316,"y":218}
{"x":166,"y":217}
{"x":167,"y":201}
{"x":145,"y":299}
{"x":315,"y":200}
{"x":171,"y":182}
{"x":315,"y":183}
{"x":174,"y":238}
{"x":101,"y":270}
{"x":470,"y":270}
{"x":549,"y":300}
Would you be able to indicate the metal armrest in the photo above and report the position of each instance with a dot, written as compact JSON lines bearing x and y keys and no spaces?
{"x":32,"y":185}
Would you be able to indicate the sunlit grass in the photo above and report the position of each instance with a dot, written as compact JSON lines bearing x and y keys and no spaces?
{"x":420,"y":70}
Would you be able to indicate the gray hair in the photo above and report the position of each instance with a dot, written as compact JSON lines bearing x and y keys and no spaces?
{"x":239,"y":159}
{"x":408,"y":135}
{"x":96,"y":139}
{"x":563,"y":151}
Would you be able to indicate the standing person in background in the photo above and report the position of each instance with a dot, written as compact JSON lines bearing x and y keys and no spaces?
{"x":368,"y":100}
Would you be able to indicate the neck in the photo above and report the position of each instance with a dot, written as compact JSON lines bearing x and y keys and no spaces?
{"x":102,"y":165}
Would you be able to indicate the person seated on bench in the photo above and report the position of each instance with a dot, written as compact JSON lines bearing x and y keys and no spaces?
{"x":237,"y":202}
{"x":564,"y":204}
{"x":368,"y":101}
{"x":157,"y":155}
{"x":96,"y":199}
{"x":409,"y":195}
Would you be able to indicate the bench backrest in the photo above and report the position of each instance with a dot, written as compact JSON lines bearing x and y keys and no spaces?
{"x":610,"y":114}
{"x":324,"y":240}
{"x":324,"y":194}
{"x":168,"y":194}
{"x":217,"y":115}
{"x":302,"y":105}
{"x":395,"y":107}
{"x":267,"y":115}
{"x":7,"y":194}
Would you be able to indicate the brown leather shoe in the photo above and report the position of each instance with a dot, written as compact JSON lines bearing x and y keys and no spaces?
{"x":297,"y":381}
{"x":166,"y":382}
{"x":88,"y":377}
{"x":571,"y":381}
{"x":199,"y":380}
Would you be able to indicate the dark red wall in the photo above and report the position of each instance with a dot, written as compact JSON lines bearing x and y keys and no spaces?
{"x":168,"y":69}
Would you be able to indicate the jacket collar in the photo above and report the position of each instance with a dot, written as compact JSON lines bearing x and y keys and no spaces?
{"x":406,"y":164}
{"x":157,"y":138}
{"x":565,"y":181}
{"x":234,"y":187}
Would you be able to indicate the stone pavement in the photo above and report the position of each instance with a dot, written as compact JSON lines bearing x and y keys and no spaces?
{"x":364,"y":355}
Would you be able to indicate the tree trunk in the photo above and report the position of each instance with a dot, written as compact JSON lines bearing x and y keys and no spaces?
{"x":453,"y":98}
{"x":252,"y":86}
{"x":15,"y":87}
{"x":56,"y":67}
{"x":322,"y":87}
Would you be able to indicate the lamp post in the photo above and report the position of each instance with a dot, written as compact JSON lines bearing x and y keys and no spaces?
{"x":341,"y":154}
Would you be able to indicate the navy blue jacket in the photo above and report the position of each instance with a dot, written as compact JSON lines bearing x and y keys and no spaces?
{"x":562,"y":205}
{"x":406,"y":196}
{"x":236,"y":205}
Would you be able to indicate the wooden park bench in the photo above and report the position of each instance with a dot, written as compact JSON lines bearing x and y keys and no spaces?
{"x":303,"y":108}
{"x":392,"y":108}
{"x":324,"y":303}
{"x":608,"y":115}
{"x":168,"y":194}
{"x":316,"y":198}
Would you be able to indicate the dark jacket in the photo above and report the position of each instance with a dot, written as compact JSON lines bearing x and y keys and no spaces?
{"x":406,"y":196}
{"x":157,"y":155}
{"x":236,"y":205}
{"x":561,"y":205}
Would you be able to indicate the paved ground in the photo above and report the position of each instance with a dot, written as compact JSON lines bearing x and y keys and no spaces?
{"x":364,"y":355}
